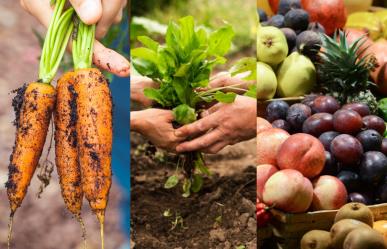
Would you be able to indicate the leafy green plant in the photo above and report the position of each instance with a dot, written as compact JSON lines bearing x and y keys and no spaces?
{"x":182,"y":67}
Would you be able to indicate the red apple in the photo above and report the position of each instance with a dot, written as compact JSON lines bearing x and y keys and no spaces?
{"x":268,"y":143}
{"x":289,"y":191}
{"x":329,"y":193}
{"x":264,"y":171}
{"x":302,"y":152}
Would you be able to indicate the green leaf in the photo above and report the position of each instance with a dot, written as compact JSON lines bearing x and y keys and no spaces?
{"x":184,"y":114}
{"x":197,"y":183}
{"x":145,"y":67}
{"x":149,"y":42}
{"x":199,"y":165}
{"x":154,"y":94}
{"x":182,"y":89}
{"x":202,"y":36}
{"x":145,"y":54}
{"x":182,"y":70}
{"x":186,"y":187}
{"x":382,"y":106}
{"x":252,"y":92}
{"x":167,"y":213}
{"x":225,"y":97}
{"x":188,"y":40}
{"x":247,"y":64}
{"x":171,"y":182}
{"x":220,"y":41}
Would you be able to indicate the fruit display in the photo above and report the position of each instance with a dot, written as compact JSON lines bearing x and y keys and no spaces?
{"x":354,"y":227}
{"x":329,"y":139}
{"x":318,"y":59}
{"x":326,"y":148}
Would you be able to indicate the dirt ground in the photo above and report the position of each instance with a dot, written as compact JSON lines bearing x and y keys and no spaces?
{"x":221,"y":215}
{"x":40,"y":223}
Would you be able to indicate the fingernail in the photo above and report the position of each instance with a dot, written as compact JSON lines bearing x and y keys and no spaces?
{"x":90,"y":12}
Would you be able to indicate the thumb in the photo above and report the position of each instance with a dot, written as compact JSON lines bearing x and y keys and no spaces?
{"x":90,"y":11}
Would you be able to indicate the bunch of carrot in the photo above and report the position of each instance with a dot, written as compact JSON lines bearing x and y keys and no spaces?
{"x":82,"y":108}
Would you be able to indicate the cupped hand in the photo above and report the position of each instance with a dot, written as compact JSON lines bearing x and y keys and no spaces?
{"x":101,"y":12}
{"x":221,"y":125}
{"x":156,"y":126}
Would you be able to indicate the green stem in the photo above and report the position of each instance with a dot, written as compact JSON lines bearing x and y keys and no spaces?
{"x":83,"y":46}
{"x":55,"y":43}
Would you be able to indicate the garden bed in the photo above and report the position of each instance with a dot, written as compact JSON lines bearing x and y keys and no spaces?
{"x":221,"y":215}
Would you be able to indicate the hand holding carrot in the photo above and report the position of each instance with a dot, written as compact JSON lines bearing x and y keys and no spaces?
{"x":103,"y":12}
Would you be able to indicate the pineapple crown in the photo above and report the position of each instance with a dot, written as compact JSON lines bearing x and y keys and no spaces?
{"x":344,"y":67}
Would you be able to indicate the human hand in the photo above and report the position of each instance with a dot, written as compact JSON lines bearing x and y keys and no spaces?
{"x":156,"y":126}
{"x":137,"y":86}
{"x":224,"y":79}
{"x":102,"y":12}
{"x":221,"y":125}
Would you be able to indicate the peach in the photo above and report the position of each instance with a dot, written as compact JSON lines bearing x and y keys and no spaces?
{"x":329,"y":193}
{"x":268,"y":143}
{"x":289,"y":191}
{"x":302,"y":152}
{"x":264,"y":171}
{"x":262,"y":125}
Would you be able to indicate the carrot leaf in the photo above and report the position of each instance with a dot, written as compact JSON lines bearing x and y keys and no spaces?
{"x":55,"y":42}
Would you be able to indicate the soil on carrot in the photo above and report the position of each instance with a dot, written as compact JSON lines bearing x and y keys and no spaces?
{"x":221,"y":215}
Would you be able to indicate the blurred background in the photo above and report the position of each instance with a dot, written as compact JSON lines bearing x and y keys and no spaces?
{"x":45,"y":223}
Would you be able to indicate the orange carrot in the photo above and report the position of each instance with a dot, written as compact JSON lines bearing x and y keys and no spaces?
{"x":94,"y":132}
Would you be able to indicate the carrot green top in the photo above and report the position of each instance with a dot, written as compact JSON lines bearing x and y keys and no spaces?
{"x":83,"y":42}
{"x":56,"y":40}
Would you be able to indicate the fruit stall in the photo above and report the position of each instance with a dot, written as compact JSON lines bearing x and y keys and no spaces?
{"x":321,"y":125}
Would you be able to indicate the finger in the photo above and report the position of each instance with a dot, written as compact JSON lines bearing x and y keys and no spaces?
{"x":200,"y":143}
{"x":111,"y":8}
{"x":120,"y":14}
{"x":118,"y":18}
{"x":219,"y":80}
{"x":41,"y":10}
{"x":211,"y":110}
{"x":90,"y":11}
{"x":215,"y":148}
{"x":197,"y":127}
{"x":110,"y":60}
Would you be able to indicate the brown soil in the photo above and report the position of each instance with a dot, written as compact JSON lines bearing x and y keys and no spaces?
{"x":221,"y":215}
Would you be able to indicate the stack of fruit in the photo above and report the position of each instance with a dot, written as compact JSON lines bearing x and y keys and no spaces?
{"x":354,"y":228}
{"x":287,"y":45}
{"x":289,"y":42}
{"x":355,"y":150}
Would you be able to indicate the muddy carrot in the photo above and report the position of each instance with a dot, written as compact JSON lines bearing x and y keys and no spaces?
{"x":94,"y":124}
{"x":33,"y":105}
{"x":66,"y":150}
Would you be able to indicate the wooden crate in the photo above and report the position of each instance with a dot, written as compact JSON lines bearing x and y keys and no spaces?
{"x":288,"y":229}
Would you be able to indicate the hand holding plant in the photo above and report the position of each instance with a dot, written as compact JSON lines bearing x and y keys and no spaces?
{"x":220,"y":126}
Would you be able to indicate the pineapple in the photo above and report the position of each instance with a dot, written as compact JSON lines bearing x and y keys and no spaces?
{"x":344,"y":70}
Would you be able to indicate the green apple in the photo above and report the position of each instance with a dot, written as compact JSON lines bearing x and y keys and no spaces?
{"x":296,"y":76}
{"x":266,"y":81}
{"x":272,"y":47}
